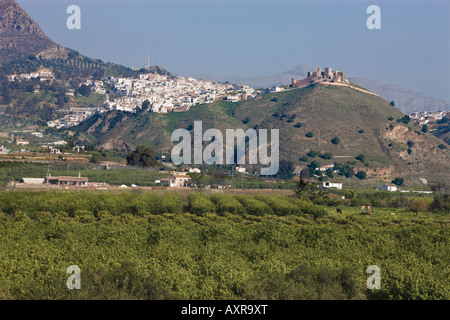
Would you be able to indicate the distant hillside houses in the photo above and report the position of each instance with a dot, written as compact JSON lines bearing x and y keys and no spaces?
{"x":4,"y":150}
{"x":43,"y":74}
{"x":176,"y":179}
{"x":73,"y":119}
{"x":424,"y":117}
{"x":168,"y":94}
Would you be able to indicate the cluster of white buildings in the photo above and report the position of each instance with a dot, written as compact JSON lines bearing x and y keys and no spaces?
{"x":43,"y":74}
{"x":73,"y":119}
{"x":167,"y":93}
{"x":423,"y":117}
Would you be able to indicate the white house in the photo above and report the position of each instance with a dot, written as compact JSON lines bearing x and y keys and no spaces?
{"x":33,"y":181}
{"x":389,"y":187}
{"x":195,"y":170}
{"x":4,"y":150}
{"x":37,"y":134}
{"x":240,"y":169}
{"x":331,"y":184}
{"x":21,"y":142}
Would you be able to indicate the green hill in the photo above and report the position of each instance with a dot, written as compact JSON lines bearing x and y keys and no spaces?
{"x":340,"y":121}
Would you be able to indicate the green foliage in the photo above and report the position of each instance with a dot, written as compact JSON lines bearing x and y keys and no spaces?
{"x":442,"y":146}
{"x":200,"y":204}
{"x":335,"y":140}
{"x":253,"y":206}
{"x":313,"y":154}
{"x":399,"y":181}
{"x":326,"y":156}
{"x":127,"y":251}
{"x":441,"y":204}
{"x":309,"y":135}
{"x":84,"y":90}
{"x":406,"y":119}
{"x":298,"y":125}
{"x":424,"y":128}
{"x":286,"y":169}
{"x":361,"y":175}
{"x":142,"y":157}
{"x":171,"y":203}
{"x":227,"y":204}
{"x":361,"y":157}
{"x":304,"y":159}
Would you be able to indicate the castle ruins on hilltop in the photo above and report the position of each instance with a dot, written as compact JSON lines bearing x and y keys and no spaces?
{"x":317,"y":76}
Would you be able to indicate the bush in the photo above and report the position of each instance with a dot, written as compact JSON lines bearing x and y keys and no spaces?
{"x":326,"y":156}
{"x":418,"y":205}
{"x":441,"y":204}
{"x":405,"y":120}
{"x":313,"y":154}
{"x":307,"y":207}
{"x":361,"y":157}
{"x":200,"y":204}
{"x":298,"y":125}
{"x":171,"y":203}
{"x":226,"y":204}
{"x":361,"y":175}
{"x":253,"y":206}
{"x":398,"y":181}
{"x":43,"y":216}
{"x":304,"y":159}
{"x":280,"y":206}
{"x":335,"y":140}
{"x":309,"y":135}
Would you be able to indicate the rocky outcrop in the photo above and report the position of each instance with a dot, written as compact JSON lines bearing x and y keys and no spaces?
{"x":20,"y":36}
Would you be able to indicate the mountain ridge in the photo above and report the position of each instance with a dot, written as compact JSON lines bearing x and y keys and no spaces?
{"x":21,"y":36}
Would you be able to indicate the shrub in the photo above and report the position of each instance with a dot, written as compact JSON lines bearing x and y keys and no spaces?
{"x":361,"y":157}
{"x":406,"y":119}
{"x":441,"y":204}
{"x":298,"y":125}
{"x":335,"y":140}
{"x":313,"y":154}
{"x":280,"y":206}
{"x":309,"y":135}
{"x":43,"y":216}
{"x":307,"y":207}
{"x":326,"y":156}
{"x":361,"y":175}
{"x":200,"y":204}
{"x":398,"y":181}
{"x":304,"y":159}
{"x":418,"y":205}
{"x":226,"y":204}
{"x":253,"y":206}
{"x":171,"y":203}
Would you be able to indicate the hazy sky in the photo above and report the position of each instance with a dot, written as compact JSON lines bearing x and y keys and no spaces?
{"x":262,"y":37}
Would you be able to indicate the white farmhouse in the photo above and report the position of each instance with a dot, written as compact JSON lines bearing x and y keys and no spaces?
{"x":389,"y":187}
{"x":331,"y":184}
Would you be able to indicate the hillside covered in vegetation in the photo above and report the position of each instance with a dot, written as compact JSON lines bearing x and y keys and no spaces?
{"x":340,"y":122}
